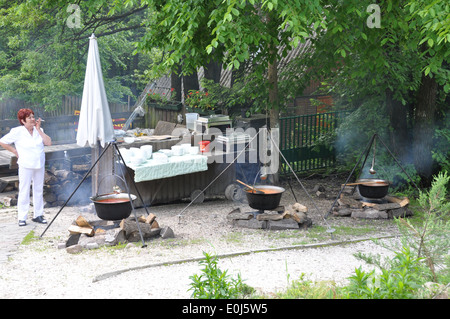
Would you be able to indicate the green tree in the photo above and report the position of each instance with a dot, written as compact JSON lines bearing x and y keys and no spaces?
{"x":43,"y":49}
{"x":232,"y":32}
{"x":403,"y":62}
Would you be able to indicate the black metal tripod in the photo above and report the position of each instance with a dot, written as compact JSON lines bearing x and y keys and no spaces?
{"x":366,"y":152}
{"x":117,"y":153}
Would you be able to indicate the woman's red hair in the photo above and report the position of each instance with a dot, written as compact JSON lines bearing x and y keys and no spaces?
{"x":23,"y":114}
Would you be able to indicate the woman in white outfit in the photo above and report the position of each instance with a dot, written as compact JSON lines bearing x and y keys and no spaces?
{"x":29,"y":140}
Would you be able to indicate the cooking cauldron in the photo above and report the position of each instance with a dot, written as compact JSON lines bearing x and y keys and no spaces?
{"x":377,"y":188}
{"x":113,"y":206}
{"x":267,"y":201}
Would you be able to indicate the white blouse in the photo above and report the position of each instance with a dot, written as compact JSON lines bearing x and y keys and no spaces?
{"x":29,"y":147}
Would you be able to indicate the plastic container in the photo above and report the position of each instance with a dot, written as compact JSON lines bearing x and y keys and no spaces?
{"x":190,"y":120}
{"x":204,"y":146}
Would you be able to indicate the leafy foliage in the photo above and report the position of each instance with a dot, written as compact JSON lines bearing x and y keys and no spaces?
{"x":441,"y":153}
{"x":42,"y":58}
{"x":400,"y":280}
{"x":214,"y":283}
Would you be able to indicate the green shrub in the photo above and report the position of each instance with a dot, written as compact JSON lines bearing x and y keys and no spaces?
{"x":214,"y":283}
{"x":399,"y":281}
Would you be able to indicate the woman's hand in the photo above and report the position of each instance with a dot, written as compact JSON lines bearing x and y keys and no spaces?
{"x":45,"y":138}
{"x":38,"y":123}
{"x":10,"y":148}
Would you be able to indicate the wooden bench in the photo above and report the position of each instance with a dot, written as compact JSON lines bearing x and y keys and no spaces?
{"x":7,"y":180}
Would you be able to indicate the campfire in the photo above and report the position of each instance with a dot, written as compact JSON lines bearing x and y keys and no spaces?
{"x":90,"y":234}
{"x":279,"y":218}
{"x":352,"y":204}
{"x":372,"y":199}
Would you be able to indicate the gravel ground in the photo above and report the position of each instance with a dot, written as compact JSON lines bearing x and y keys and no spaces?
{"x":40,"y":270}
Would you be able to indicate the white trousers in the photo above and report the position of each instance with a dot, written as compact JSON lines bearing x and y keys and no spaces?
{"x":28,"y":177}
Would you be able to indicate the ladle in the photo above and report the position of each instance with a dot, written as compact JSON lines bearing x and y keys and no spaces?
{"x":364,"y":183}
{"x":371,"y":170}
{"x":254,"y":190}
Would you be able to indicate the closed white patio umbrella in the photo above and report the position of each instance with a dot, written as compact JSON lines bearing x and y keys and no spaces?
{"x":95,"y":122}
{"x":95,"y":126}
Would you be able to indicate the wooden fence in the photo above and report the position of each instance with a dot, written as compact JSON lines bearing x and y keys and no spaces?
{"x":60,"y":124}
{"x":69,"y":105}
{"x":300,"y":136}
{"x":63,"y":129}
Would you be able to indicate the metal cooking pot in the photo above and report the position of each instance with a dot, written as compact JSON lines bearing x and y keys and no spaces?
{"x":113,"y":206}
{"x":268,"y":201}
{"x":377,"y":188}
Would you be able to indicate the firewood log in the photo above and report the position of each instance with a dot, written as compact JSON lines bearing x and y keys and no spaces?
{"x":129,"y":226}
{"x":74,"y":229}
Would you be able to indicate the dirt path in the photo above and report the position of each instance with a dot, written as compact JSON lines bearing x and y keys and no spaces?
{"x":41,"y":270}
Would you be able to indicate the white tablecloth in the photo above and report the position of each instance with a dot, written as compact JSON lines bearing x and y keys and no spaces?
{"x":177,"y":165}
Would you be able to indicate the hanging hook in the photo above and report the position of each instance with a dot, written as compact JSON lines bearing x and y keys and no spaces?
{"x":371,"y":170}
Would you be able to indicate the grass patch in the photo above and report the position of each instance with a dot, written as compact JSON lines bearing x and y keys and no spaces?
{"x":306,"y":289}
{"x":29,"y":238}
{"x":235,"y":237}
{"x":354,"y":231}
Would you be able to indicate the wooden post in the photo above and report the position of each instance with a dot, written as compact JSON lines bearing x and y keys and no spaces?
{"x":100,"y":183}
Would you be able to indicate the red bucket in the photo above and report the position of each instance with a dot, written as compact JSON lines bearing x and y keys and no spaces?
{"x":204,"y":146}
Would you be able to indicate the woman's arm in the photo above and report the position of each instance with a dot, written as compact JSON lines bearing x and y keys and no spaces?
{"x":45,"y":138}
{"x":10,"y":148}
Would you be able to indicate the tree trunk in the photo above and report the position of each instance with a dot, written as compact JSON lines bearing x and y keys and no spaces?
{"x":175,"y":83}
{"x":190,"y":82}
{"x":424,"y":127}
{"x":272,"y":78}
{"x":272,"y":72}
{"x":274,"y":106}
{"x":273,"y":94}
{"x":398,"y":120}
{"x":237,"y":75}
{"x":213,"y":71}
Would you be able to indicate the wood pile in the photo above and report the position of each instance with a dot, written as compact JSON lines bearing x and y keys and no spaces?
{"x":86,"y":234}
{"x":9,"y":199}
{"x":59,"y":184}
{"x":281,"y":218}
{"x":148,"y":225}
{"x":353,"y":205}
